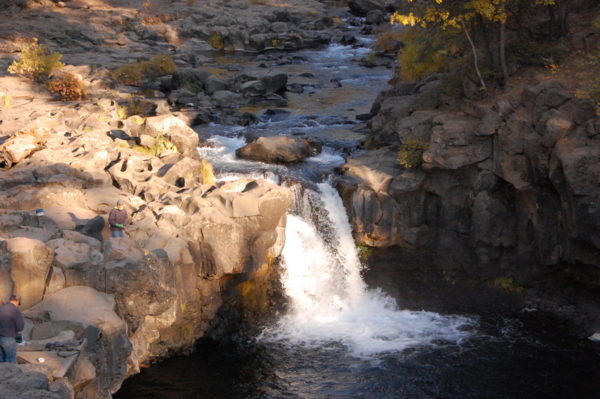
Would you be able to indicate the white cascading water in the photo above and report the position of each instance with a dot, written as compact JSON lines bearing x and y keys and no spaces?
{"x":329,"y":299}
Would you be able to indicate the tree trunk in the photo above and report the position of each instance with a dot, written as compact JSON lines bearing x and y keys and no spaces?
{"x":487,"y":45}
{"x":564,"y":19}
{"x":503,"y":52}
{"x":475,"y":59}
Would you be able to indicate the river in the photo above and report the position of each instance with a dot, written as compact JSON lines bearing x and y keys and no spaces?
{"x":340,"y":337}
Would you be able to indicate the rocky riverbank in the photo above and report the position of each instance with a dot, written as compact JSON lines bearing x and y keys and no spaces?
{"x":507,"y":193}
{"x":193,"y":245}
{"x":136,"y":298}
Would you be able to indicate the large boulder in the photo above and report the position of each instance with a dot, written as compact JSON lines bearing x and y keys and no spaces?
{"x":108,"y":347}
{"x":253,"y":88}
{"x":56,"y":282}
{"x":362,"y":7}
{"x":237,"y":226}
{"x":274,"y":83}
{"x":176,"y":130}
{"x":81,"y":304}
{"x":6,"y":284}
{"x":122,"y":248}
{"x":454,"y":143}
{"x":278,"y":149}
{"x":213,"y":84}
{"x":185,"y":172}
{"x":383,"y":200}
{"x":189,"y":78}
{"x":69,"y":253}
{"x":18,"y":382}
{"x":226,"y":98}
{"x":375,"y":169}
{"x":12,"y":221}
{"x":30,"y":262}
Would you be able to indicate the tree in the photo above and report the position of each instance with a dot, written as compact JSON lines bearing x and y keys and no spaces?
{"x":488,"y":18}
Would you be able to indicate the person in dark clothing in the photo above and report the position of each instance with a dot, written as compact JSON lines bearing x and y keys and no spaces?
{"x":117,"y":219}
{"x":11,"y":323}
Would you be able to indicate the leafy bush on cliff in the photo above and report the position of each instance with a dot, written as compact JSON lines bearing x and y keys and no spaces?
{"x":596,"y":23}
{"x":133,"y":74}
{"x":364,"y":251}
{"x":36,"y":62}
{"x":411,"y":153}
{"x":507,"y":284}
{"x":427,"y":52}
{"x":68,"y":87}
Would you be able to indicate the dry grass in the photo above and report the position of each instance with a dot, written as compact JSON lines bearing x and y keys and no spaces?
{"x":68,"y":87}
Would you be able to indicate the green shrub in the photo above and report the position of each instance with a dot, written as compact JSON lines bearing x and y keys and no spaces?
{"x":216,"y":40}
{"x":596,"y":23}
{"x":364,"y":251}
{"x":129,"y":74}
{"x":411,"y":153}
{"x":36,"y":62}
{"x":192,"y":87}
{"x":507,"y":284}
{"x":161,"y":145}
{"x":5,"y":100}
{"x":208,"y":176}
{"x":161,"y":64}
{"x":133,"y":74}
{"x":67,"y":87}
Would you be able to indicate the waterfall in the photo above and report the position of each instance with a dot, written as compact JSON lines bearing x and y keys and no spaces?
{"x":329,"y":301}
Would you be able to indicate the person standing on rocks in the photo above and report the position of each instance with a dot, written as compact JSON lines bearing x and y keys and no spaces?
{"x":117,"y":219}
{"x":11,"y":323}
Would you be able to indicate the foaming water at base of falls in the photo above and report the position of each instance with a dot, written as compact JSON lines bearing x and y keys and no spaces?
{"x":329,"y":300}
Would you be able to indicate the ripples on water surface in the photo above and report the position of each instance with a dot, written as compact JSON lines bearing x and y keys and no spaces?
{"x":485,"y":367}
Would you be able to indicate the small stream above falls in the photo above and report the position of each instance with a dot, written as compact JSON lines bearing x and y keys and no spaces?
{"x":341,"y":338}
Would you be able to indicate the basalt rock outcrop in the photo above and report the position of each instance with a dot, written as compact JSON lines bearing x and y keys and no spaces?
{"x":157,"y":290}
{"x":508,"y":186}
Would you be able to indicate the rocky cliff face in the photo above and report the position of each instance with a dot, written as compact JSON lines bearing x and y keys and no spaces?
{"x":156,"y":290}
{"x":509,"y":186}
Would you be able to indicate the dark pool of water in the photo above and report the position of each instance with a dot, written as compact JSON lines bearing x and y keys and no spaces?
{"x":509,"y":358}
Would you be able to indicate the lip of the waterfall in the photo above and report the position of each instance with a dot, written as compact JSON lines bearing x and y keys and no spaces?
{"x":227,"y":166}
